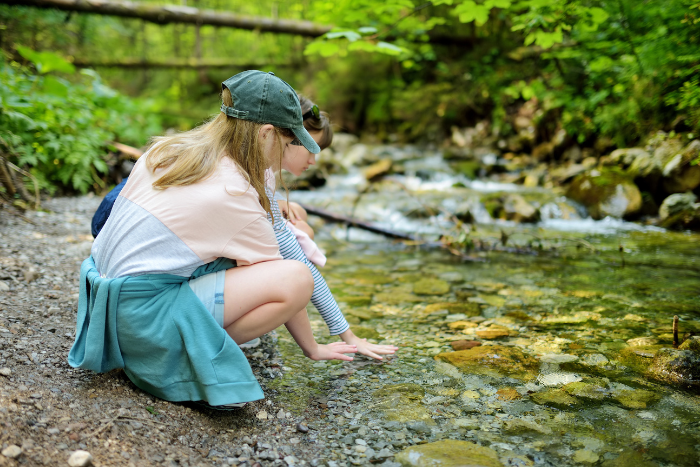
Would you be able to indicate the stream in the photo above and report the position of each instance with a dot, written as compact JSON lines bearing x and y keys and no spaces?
{"x":567,"y":318}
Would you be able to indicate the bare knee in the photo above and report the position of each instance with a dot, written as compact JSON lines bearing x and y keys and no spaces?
{"x":298,"y":279}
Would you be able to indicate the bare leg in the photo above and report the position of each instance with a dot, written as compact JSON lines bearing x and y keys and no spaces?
{"x":263,"y":296}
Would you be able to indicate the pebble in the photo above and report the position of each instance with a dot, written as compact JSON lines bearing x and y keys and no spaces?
{"x":281,"y":414}
{"x":262,"y":415}
{"x":12,"y":451}
{"x":4,"y":287}
{"x":80,"y":459}
{"x":5,"y":372}
{"x":302,"y":428}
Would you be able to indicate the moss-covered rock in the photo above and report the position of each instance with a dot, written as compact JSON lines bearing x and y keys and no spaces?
{"x":468,"y":308}
{"x":518,"y":426}
{"x":494,"y":331}
{"x":692,"y":343}
{"x":364,"y":332}
{"x":638,"y":358}
{"x":586,"y":390}
{"x":356,"y":300}
{"x":395,"y":298}
{"x":629,"y":459}
{"x":431,"y":287}
{"x":606,"y":192}
{"x":402,"y":403}
{"x":635,"y":398}
{"x":493,"y":360}
{"x":676,"y":366}
{"x":448,"y":453}
{"x":554,"y":398}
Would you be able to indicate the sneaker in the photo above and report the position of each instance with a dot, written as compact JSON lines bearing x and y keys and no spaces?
{"x":235,"y":406}
{"x":250,"y":344}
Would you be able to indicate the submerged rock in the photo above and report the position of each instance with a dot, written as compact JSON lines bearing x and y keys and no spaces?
{"x":554,"y":398}
{"x":431,"y":287}
{"x":448,"y":453}
{"x":469,"y":309}
{"x":494,"y":331}
{"x":464,"y":344}
{"x":635,"y":398}
{"x":629,"y":459}
{"x":402,"y":403}
{"x":586,"y":390}
{"x":519,"y":426}
{"x":677,"y":366}
{"x":606,"y":192}
{"x":493,"y":360}
{"x":639,"y":358}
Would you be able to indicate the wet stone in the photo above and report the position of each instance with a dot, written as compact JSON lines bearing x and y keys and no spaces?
{"x":431,"y":287}
{"x":636,"y":398}
{"x":448,"y":453}
{"x":587,"y":390}
{"x":493,"y":360}
{"x":556,"y":398}
{"x":677,"y":366}
{"x":518,"y":426}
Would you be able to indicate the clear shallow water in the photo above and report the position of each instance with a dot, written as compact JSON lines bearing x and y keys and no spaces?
{"x":564,"y":381}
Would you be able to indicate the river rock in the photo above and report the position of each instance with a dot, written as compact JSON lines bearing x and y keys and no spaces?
{"x":402,"y":403}
{"x":629,"y":458}
{"x":431,"y":287}
{"x":80,"y":459}
{"x":606,"y":192}
{"x":377,"y":170}
{"x":680,"y":211}
{"x":679,"y":174}
{"x":554,"y":398}
{"x":635,"y":398}
{"x":585,"y":456}
{"x":691,"y":343}
{"x":677,"y":366}
{"x":469,"y":309}
{"x":464,"y":344}
{"x":448,"y":453}
{"x":495,"y":331}
{"x":493,"y":360}
{"x":517,"y":209}
{"x":519,"y":426}
{"x":587,"y":390}
{"x":342,"y":142}
{"x":12,"y":451}
{"x":638,"y":358}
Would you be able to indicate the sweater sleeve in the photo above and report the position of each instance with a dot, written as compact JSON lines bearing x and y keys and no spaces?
{"x":322,"y":298}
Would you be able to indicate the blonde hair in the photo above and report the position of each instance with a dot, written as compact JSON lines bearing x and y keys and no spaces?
{"x":194,"y":155}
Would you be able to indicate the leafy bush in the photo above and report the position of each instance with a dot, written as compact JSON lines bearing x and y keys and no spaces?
{"x":60,"y":127}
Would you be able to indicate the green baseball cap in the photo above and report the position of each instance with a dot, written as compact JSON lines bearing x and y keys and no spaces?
{"x":264,"y":98}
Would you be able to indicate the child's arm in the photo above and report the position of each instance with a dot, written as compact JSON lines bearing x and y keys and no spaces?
{"x":300,"y":329}
{"x":322,"y":297}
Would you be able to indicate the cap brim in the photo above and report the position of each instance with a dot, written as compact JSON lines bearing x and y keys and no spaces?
{"x":306,"y":140}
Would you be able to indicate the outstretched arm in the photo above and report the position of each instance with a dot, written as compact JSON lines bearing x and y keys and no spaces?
{"x":322,"y":298}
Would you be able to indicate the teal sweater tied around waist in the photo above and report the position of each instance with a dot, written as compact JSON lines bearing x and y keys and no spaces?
{"x":156,"y":329}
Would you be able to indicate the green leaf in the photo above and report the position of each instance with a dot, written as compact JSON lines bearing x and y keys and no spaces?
{"x":389,"y":49}
{"x":497,"y":4}
{"x":55,"y":86}
{"x":352,"y":36}
{"x":46,"y":61}
{"x":598,"y":15}
{"x":322,"y":48}
{"x":367,"y":30}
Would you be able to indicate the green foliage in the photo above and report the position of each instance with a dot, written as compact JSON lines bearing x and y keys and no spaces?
{"x":59,"y":127}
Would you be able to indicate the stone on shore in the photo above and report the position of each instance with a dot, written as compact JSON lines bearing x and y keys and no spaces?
{"x":606,"y":192}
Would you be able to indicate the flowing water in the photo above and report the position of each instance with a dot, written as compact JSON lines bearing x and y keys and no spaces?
{"x":570,"y":314}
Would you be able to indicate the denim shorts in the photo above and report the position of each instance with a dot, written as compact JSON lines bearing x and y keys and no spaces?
{"x":209,"y":288}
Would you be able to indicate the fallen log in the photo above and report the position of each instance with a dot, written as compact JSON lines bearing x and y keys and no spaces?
{"x":322,"y":213}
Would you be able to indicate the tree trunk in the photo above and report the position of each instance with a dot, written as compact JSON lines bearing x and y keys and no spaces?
{"x":179,"y":14}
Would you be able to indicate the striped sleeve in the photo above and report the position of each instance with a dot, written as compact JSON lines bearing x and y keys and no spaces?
{"x":322,"y":298}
